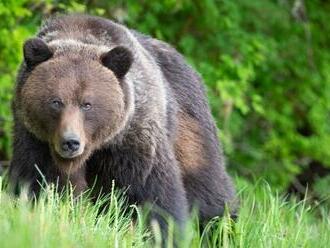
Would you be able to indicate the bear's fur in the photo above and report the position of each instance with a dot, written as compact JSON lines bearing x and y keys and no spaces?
{"x":138,"y":109}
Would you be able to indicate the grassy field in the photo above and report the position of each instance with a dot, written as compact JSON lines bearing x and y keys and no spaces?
{"x":266,"y":220}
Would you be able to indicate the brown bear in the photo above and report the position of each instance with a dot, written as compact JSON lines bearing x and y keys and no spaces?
{"x":96,"y":102}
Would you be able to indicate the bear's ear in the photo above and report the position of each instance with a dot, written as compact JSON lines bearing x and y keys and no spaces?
{"x":35,"y":51}
{"x":118,"y":60}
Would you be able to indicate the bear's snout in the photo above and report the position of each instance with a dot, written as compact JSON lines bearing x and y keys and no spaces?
{"x":70,"y":144}
{"x":70,"y":139}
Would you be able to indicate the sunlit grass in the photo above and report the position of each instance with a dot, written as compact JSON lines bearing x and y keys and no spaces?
{"x":266,"y":220}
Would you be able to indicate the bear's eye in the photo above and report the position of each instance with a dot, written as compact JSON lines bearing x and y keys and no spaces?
{"x":86,"y":106}
{"x":56,"y":104}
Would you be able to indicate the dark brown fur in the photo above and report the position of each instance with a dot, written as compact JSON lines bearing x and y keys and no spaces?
{"x":150,"y":129}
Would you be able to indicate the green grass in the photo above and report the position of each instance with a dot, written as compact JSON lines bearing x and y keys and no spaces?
{"x":266,"y":220}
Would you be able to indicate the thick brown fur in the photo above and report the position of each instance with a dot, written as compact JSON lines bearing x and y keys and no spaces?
{"x":149,"y":128}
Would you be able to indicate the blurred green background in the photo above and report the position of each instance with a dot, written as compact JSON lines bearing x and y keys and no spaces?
{"x":266,"y":65}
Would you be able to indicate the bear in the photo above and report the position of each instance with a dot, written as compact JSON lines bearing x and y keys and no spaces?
{"x":96,"y":102}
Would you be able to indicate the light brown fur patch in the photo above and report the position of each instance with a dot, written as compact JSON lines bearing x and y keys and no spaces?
{"x":189,"y":143}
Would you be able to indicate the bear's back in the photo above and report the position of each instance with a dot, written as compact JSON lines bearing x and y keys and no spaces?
{"x":185,"y":85}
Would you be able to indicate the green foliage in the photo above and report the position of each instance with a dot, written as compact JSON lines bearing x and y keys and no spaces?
{"x":13,"y":31}
{"x":266,"y":220}
{"x":62,"y":221}
{"x":266,"y":67}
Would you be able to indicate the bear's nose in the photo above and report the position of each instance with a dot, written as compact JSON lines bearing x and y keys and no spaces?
{"x":70,"y":145}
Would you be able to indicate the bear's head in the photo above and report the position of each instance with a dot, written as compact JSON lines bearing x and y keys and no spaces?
{"x":74,"y":101}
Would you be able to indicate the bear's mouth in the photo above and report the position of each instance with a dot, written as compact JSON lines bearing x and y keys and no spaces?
{"x":65,"y":157}
{"x":69,"y":155}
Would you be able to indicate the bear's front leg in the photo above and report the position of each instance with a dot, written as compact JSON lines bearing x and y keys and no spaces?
{"x":31,"y":162}
{"x":164,"y":189}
